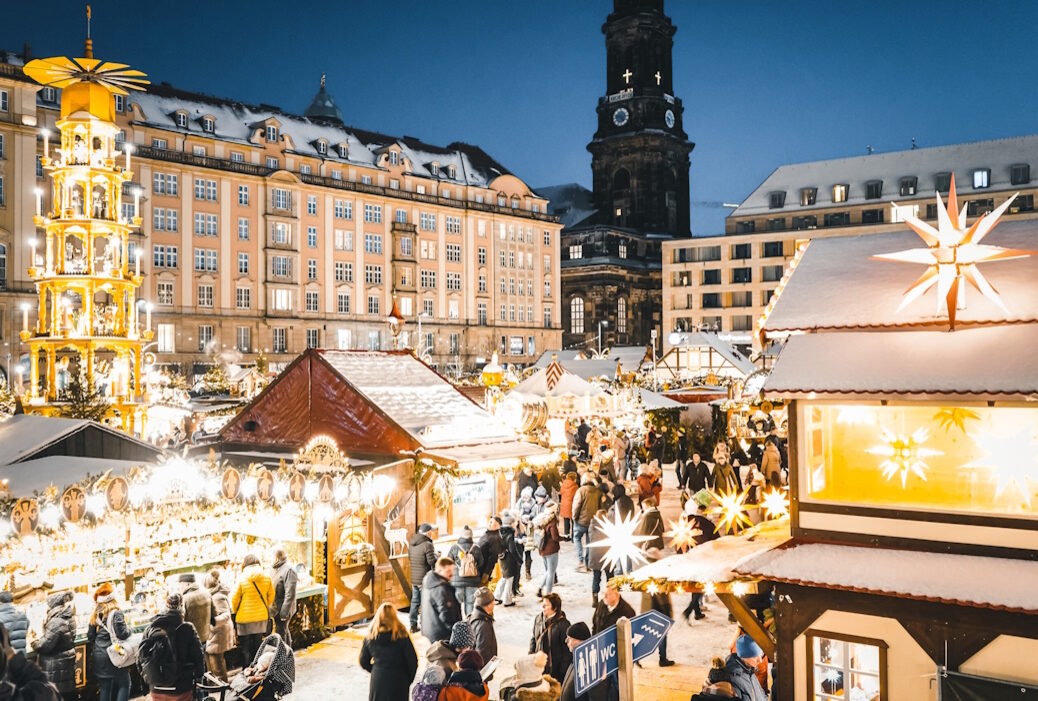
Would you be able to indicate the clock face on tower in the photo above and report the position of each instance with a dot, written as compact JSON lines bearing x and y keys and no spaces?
{"x":621,"y":116}
{"x":669,"y":119}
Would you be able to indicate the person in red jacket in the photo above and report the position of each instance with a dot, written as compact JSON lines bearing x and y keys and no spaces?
{"x":648,"y":485}
{"x":567,"y":491}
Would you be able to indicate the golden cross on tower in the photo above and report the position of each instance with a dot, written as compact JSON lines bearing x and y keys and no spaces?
{"x":627,"y":76}
{"x":658,"y":77}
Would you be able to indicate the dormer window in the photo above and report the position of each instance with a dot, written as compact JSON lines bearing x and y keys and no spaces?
{"x":208,"y":125}
{"x":908,"y":185}
{"x":343,"y":150}
{"x":1019,"y":174}
{"x":50,"y":95}
{"x":776,"y":200}
{"x":942,"y":182}
{"x":435,"y":168}
{"x":502,"y":201}
{"x":272,"y":133}
{"x":120,"y":103}
{"x":807,"y":196}
{"x":451,"y":172}
{"x":322,"y":147}
{"x":515,"y":203}
{"x":873,"y":189}
{"x":981,"y":178}
{"x":839,"y":193}
{"x":394,"y":158}
{"x":181,"y":118}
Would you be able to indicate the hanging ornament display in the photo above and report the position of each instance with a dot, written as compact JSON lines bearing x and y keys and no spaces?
{"x":903,"y":454}
{"x":25,"y":517}
{"x":775,"y":504}
{"x":682,"y":534}
{"x":731,"y":507}
{"x":264,"y":485}
{"x":325,"y":489}
{"x":296,"y":486}
{"x":955,"y":417}
{"x":230,"y":483}
{"x":621,"y":541}
{"x":73,"y":504}
{"x":117,"y":494}
{"x":1011,"y":459}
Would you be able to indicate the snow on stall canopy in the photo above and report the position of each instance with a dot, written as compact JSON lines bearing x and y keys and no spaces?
{"x":862,"y":292}
{"x":568,"y":384}
{"x":965,"y":580}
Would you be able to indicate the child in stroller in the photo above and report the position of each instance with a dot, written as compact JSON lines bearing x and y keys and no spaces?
{"x":268,"y":678}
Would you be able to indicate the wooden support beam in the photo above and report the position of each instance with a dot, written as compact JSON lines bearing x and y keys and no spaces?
{"x":748,"y":620}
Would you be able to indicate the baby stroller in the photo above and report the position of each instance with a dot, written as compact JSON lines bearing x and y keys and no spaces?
{"x":274,"y":683}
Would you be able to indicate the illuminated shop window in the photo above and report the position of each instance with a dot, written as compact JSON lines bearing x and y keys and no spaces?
{"x":846,"y":667}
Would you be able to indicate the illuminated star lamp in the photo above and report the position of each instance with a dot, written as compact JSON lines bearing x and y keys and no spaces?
{"x":1011,"y":459}
{"x":623,"y":545}
{"x":682,"y":534}
{"x":952,"y":255}
{"x":775,"y":504}
{"x":732,"y":509}
{"x":904,"y":454}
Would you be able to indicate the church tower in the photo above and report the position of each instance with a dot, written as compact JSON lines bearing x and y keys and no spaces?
{"x":640,"y":152}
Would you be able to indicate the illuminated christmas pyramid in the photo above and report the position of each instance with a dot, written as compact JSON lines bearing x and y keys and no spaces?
{"x":87,"y":325}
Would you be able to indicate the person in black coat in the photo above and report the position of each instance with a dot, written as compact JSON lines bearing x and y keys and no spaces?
{"x":578,"y":633}
{"x":388,"y":654}
{"x":440,"y":607}
{"x":549,"y":637}
{"x":20,"y":679}
{"x":707,"y":531}
{"x":490,"y":547}
{"x":621,"y":502}
{"x":421,"y":555}
{"x":527,"y":478}
{"x":610,"y":609}
{"x":186,"y":645}
{"x":697,"y":474}
{"x":56,"y":649}
{"x":14,"y":620}
{"x":651,"y":525}
{"x":511,"y":559}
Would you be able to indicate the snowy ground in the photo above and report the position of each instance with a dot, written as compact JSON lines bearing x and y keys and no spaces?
{"x":329,"y":671}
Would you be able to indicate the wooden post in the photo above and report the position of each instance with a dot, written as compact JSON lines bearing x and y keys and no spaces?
{"x":748,"y":620}
{"x":624,"y":653}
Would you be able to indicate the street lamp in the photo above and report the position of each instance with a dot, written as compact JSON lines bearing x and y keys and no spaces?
{"x":396,"y":322}
{"x":602,"y":323}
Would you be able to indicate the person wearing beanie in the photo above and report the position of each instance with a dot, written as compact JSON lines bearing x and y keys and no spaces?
{"x":421,"y":556}
{"x":548,"y":545}
{"x":428,"y":687}
{"x":482,"y":623}
{"x":530,"y":683}
{"x":198,"y":605}
{"x":56,"y":648}
{"x":578,"y":633}
{"x":510,"y":559}
{"x":468,"y":566}
{"x":221,"y":632}
{"x":105,"y":622}
{"x":22,"y":680}
{"x":187,"y":652}
{"x":525,"y":506}
{"x":466,"y":684}
{"x":741,"y":667}
{"x":622,"y":504}
{"x":250,"y":606}
{"x":14,"y":620}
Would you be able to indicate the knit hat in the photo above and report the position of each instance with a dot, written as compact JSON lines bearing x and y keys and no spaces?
{"x":527,"y":493}
{"x":174,"y":602}
{"x":483,"y":597}
{"x":529,"y":669}
{"x":424,"y":528}
{"x":470,"y":659}
{"x":105,"y":589}
{"x":604,"y":488}
{"x":187,"y":577}
{"x":466,"y":532}
{"x":541,"y":493}
{"x":746,"y":648}
{"x":461,"y":636}
{"x":434,"y":675}
{"x":507,"y":519}
{"x":578,"y":631}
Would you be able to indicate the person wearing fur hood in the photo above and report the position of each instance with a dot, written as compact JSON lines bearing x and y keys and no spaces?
{"x":221,"y":632}
{"x":529,"y":683}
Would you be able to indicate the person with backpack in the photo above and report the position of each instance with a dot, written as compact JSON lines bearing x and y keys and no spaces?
{"x":56,"y":648}
{"x":107,"y":625}
{"x":468,"y":563}
{"x":421,"y":555}
{"x":14,"y":620}
{"x":170,"y":655}
{"x":20,"y":679}
{"x":250,"y":606}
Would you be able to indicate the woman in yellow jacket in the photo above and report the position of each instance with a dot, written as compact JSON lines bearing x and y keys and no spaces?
{"x":250,"y":606}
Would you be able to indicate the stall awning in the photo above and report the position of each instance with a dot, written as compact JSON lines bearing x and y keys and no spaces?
{"x":961,"y":580}
{"x":25,"y":478}
{"x":505,"y":455}
{"x":653,"y":401}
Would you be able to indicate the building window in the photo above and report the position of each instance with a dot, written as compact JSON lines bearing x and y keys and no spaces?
{"x":846,"y":667}
{"x":243,"y":297}
{"x":772,"y":249}
{"x":981,"y":178}
{"x":872,"y":216}
{"x":282,"y":201}
{"x":621,"y":250}
{"x":453,"y":253}
{"x":272,"y":162}
{"x":481,"y":313}
{"x":576,"y":251}
{"x":243,"y":339}
{"x":343,"y":302}
{"x":837,"y":219}
{"x":745,"y":227}
{"x":775,"y":224}
{"x":373,"y":213}
{"x":313,"y":338}
{"x":272,"y":133}
{"x":742,"y":275}
{"x":808,"y":195}
{"x":547,"y":288}
{"x":205,"y":296}
{"x":373,"y":304}
{"x":313,"y":301}
{"x":427,"y":221}
{"x":621,"y":315}
{"x":742,"y":322}
{"x":427,"y":278}
{"x":776,"y":200}
{"x":428,"y":307}
{"x":840,"y":193}
{"x":279,"y":340}
{"x":873,"y":189}
{"x":205,"y":336}
{"x":282,"y":300}
{"x":742,"y":251}
{"x":158,"y":143}
{"x":712,"y":300}
{"x":165,"y":290}
{"x":208,"y":125}
{"x":164,"y":256}
{"x":243,"y":195}
{"x":281,"y":233}
{"x":343,"y":271}
{"x":712,"y":277}
{"x":281,"y":266}
{"x":809,"y":221}
{"x":311,"y":269}
{"x":237,"y":157}
{"x":372,"y":243}
{"x":50,"y":95}
{"x":343,"y":240}
{"x":166,"y":338}
{"x":243,"y":228}
{"x":1023,"y":203}
{"x":452,"y":225}
{"x":907,"y":186}
{"x":311,"y":236}
{"x":205,"y":260}
{"x":771,"y":273}
{"x":1019,"y":174}
{"x":975,"y":208}
{"x":576,"y":315}
{"x":243,"y":263}
{"x":453,"y":281}
{"x":373,"y":274}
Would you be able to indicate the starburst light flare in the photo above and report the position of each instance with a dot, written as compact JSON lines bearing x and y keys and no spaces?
{"x":904,"y":454}
{"x":952,"y":255}
{"x":775,"y":504}
{"x":682,"y":534}
{"x":1011,"y":459}
{"x":732,"y":508}
{"x":622,"y":543}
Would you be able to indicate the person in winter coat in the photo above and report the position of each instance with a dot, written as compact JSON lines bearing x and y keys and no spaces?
{"x":490,"y":548}
{"x":622,"y":504}
{"x":722,"y":454}
{"x":596,"y":556}
{"x":20,"y":679}
{"x":660,"y":601}
{"x":610,"y":609}
{"x":525,"y":508}
{"x":250,"y":606}
{"x":741,"y":666}
{"x":482,"y":624}
{"x":107,"y":619}
{"x":442,"y":655}
{"x":527,"y":478}
{"x":198,"y":605}
{"x":221,"y":632}
{"x":440,"y":607}
{"x":620,"y":445}
{"x":187,"y":651}
{"x":529,"y":683}
{"x":284,"y":578}
{"x":466,"y":684}
{"x":648,"y":485}
{"x":468,"y":563}
{"x":707,"y":531}
{"x":725,"y":478}
{"x":551,"y":480}
{"x":548,"y":540}
{"x":582,"y":434}
{"x":387,"y":653}
{"x":56,"y":648}
{"x":567,"y":492}
{"x":771,"y":464}
{"x":578,"y":633}
{"x":697,"y":474}
{"x":14,"y":620}
{"x":511,"y":560}
{"x":651,"y":524}
{"x":586,"y":503}
{"x":428,"y":687}
{"x":549,"y":637}
{"x":421,"y":555}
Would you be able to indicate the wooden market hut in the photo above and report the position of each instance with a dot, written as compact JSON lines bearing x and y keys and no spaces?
{"x":393,"y":412}
{"x":913,"y":564}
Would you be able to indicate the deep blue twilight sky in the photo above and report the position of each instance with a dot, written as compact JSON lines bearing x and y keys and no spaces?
{"x":763,"y":82}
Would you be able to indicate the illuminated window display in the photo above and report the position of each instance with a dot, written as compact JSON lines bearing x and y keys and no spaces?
{"x":846,"y":667}
{"x":977,"y":459}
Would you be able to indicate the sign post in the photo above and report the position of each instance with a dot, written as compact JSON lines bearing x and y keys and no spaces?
{"x":625,"y":660}
{"x":604,"y":655}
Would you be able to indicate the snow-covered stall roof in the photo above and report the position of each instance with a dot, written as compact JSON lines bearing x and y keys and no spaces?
{"x":32,"y":476}
{"x":503,"y":455}
{"x":964,"y":580}
{"x":417,"y":399}
{"x":839,"y":285}
{"x":543,"y":384}
{"x":983,"y":362}
{"x":695,"y":347}
{"x":652,"y":401}
{"x":28,"y":436}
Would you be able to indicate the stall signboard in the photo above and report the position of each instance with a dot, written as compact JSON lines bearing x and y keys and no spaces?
{"x":117,"y":494}
{"x":230,"y":483}
{"x":25,"y":517}
{"x":73,"y":504}
{"x":473,"y":501}
{"x":81,"y":666}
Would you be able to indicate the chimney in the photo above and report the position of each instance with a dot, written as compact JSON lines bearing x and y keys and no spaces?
{"x":27,"y":52}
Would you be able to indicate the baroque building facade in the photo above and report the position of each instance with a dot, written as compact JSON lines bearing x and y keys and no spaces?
{"x":611,"y":243}
{"x":267,"y":231}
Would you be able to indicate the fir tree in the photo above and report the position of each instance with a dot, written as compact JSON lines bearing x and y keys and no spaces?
{"x":7,"y":400}
{"x":216,"y":381}
{"x":83,"y":400}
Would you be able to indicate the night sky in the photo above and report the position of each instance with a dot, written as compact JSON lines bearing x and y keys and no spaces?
{"x":764,"y":83}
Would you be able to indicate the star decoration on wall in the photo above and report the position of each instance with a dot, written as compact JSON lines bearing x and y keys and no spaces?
{"x":623,"y":545}
{"x":61,"y":72}
{"x":904,"y":454}
{"x":1011,"y":459}
{"x":952,"y":255}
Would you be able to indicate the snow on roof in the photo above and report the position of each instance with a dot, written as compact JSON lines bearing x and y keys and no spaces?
{"x":984,"y":363}
{"x":560,"y":355}
{"x":704,"y":339}
{"x":923,"y":163}
{"x":630,"y":356}
{"x":31,"y":476}
{"x":500,"y":454}
{"x":653,"y":401}
{"x":964,"y":580}
{"x":568,"y":384}
{"x":572,"y":203}
{"x":838,"y":285}
{"x":418,"y":399}
{"x":25,"y":434}
{"x":715,"y":560}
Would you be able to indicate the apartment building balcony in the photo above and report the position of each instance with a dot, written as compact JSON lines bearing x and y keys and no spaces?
{"x":286,"y":211}
{"x":398,"y":227}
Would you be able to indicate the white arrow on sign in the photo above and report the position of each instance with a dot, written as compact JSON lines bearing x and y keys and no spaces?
{"x":637,"y":637}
